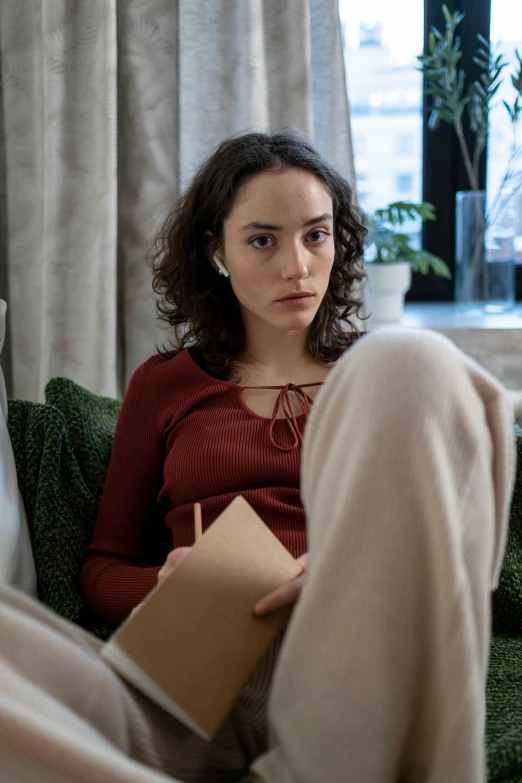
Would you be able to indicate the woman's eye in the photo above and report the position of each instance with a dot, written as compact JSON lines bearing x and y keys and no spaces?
{"x":318,"y":236}
{"x":261,"y":242}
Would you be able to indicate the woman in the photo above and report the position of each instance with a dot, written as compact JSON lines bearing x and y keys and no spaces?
{"x":406,"y":478}
{"x":255,"y":268}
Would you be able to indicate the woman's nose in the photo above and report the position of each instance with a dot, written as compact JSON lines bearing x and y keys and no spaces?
{"x":296,"y":264}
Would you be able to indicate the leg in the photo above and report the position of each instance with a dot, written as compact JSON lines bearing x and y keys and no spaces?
{"x":66,"y":717}
{"x":408,"y":469}
{"x":61,"y":716}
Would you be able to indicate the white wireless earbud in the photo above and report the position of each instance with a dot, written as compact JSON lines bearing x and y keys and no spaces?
{"x":220,"y":265}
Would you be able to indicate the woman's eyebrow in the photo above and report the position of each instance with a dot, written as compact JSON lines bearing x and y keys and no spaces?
{"x":270,"y":227}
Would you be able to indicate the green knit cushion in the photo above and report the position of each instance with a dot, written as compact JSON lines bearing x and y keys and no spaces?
{"x":504,"y":689}
{"x":62,"y":451}
{"x":507,"y":602}
{"x":90,"y":420}
{"x":504,"y":710}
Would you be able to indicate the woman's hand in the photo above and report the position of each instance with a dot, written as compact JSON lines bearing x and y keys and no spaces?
{"x":173,"y":559}
{"x":286,"y":595}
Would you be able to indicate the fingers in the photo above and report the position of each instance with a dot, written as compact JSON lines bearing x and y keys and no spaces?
{"x":283,"y":596}
{"x":173,"y":559}
{"x":286,"y":595}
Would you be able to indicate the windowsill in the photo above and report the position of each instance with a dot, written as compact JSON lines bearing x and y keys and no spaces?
{"x":494,"y":341}
{"x":426,"y":315}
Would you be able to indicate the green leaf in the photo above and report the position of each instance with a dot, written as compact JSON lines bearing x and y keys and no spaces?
{"x":480,"y":62}
{"x":418,"y":264}
{"x":431,"y":42}
{"x":446,"y":116}
{"x":439,"y":267}
{"x":516,"y":80}
{"x":427,"y":211}
{"x":423,"y":262}
{"x":385,"y":244}
{"x":447,"y":15}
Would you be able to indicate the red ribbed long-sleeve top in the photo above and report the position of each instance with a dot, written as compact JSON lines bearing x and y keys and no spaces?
{"x":184,"y":437}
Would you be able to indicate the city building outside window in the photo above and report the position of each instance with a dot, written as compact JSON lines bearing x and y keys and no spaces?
{"x":385,"y":93}
{"x":404,"y":183}
{"x":405,"y":145}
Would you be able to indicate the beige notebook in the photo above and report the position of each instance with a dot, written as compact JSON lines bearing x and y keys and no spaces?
{"x":195,"y":641}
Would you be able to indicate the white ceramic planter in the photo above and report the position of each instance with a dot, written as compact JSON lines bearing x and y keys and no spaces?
{"x":386,"y":287}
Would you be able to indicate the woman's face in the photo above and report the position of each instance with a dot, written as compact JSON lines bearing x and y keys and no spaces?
{"x":278,"y":243}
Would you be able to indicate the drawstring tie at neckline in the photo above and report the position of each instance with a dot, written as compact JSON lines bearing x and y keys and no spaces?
{"x":283,"y":403}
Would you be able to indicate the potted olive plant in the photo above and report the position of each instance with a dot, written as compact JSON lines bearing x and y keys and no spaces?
{"x":390,"y":258}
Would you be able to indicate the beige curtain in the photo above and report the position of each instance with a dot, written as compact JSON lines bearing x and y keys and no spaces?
{"x":108,"y":107}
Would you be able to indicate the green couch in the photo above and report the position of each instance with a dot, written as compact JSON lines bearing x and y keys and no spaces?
{"x":62,"y":452}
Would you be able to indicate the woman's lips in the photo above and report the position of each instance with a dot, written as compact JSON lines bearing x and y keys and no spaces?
{"x":296,"y":300}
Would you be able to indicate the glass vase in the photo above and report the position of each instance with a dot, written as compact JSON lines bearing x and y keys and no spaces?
{"x":485,"y":252}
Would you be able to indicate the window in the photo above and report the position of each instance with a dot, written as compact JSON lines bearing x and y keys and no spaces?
{"x":362,"y":185}
{"x":400,"y":157}
{"x":359,"y":144}
{"x":385,"y":91}
{"x":405,"y":145}
{"x":506,"y":34}
{"x":404,"y":183}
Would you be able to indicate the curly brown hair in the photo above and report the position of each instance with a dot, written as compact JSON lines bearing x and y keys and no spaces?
{"x":199,"y":303}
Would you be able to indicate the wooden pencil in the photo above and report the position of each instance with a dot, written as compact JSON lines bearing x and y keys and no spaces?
{"x":198,"y":528}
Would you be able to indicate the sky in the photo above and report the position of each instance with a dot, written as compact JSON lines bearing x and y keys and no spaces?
{"x":506,"y":21}
{"x":402,"y":24}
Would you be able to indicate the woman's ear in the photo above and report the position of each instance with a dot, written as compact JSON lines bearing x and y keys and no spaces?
{"x":220,"y":266}
{"x":214,"y":254}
